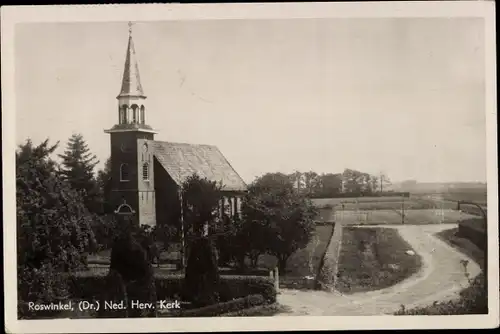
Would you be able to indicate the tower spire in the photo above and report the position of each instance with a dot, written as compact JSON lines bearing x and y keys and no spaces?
{"x":132,"y":104}
{"x":131,"y":82}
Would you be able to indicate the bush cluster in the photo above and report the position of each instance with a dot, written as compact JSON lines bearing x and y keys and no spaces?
{"x":472,"y":300}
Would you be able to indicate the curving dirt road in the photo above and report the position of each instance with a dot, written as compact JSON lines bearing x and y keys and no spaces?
{"x":441,"y":278}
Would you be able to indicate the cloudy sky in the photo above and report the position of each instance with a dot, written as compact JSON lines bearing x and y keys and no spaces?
{"x":403,"y":96}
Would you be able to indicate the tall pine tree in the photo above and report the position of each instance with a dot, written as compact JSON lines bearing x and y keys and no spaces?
{"x":104,"y":183}
{"x":78,"y":165}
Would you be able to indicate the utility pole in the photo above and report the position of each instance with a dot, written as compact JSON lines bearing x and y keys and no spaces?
{"x":403,"y":210}
{"x":381,"y":182}
{"x":183,"y":242}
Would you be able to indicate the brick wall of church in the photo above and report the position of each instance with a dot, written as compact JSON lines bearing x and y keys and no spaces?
{"x":145,"y":183}
{"x":125,"y":150}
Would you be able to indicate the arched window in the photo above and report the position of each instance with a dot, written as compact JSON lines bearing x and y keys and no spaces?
{"x":124,"y":173}
{"x":135,"y":111}
{"x":143,"y":118}
{"x":124,"y":209}
{"x":145,"y":171}
{"x":123,"y":114}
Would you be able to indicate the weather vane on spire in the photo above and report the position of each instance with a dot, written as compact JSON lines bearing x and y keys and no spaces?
{"x":130,"y":28}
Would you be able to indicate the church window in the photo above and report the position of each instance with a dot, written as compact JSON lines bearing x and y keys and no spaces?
{"x":134,"y":113}
{"x":143,"y":118}
{"x":123,"y":114}
{"x":124,"y":173}
{"x":145,"y":171}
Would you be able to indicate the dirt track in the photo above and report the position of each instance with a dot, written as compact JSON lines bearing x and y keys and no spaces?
{"x":441,"y":278}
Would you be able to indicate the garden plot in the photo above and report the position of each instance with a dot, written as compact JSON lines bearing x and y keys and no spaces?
{"x":373,"y":259}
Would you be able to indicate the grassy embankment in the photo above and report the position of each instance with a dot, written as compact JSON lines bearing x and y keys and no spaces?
{"x":373,"y":259}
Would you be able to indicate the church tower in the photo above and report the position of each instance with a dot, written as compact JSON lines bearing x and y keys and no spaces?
{"x":133,"y":191}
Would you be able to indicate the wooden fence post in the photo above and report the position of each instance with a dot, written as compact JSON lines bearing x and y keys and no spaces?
{"x":276,"y":280}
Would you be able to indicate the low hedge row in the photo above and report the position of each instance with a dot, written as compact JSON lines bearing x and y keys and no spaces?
{"x":266,"y":310}
{"x":222,"y":308}
{"x":89,"y":285}
{"x":474,"y":231}
{"x":329,"y":263}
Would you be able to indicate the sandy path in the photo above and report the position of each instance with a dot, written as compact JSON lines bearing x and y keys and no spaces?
{"x":441,"y":278}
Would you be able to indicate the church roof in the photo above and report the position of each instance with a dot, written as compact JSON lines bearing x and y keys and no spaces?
{"x":131,"y":83}
{"x":183,"y":160}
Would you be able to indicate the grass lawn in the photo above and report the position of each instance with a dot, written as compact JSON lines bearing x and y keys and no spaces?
{"x":374,"y":258}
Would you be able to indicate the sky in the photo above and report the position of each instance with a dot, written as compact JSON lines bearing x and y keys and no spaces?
{"x":403,"y":96}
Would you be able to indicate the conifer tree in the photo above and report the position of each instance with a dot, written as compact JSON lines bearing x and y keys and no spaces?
{"x":77,"y":168}
{"x":53,"y":227}
{"x":104,"y":184}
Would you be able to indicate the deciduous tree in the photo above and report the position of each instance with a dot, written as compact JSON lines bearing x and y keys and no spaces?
{"x":284,"y":217}
{"x":201,"y":198}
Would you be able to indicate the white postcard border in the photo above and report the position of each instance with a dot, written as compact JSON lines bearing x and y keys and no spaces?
{"x":153,"y":12}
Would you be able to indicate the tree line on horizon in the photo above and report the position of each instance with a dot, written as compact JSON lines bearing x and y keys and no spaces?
{"x":349,"y":183}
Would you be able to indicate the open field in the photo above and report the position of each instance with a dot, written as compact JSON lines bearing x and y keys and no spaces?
{"x":374,"y":258}
{"x":425,"y":216}
{"x":322,"y":202}
{"x":383,"y":203}
{"x":478,"y":196}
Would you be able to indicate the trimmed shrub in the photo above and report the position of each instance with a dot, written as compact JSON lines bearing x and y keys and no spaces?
{"x":129,"y":258}
{"x":130,"y":261}
{"x":221,"y":308}
{"x":202,"y":277}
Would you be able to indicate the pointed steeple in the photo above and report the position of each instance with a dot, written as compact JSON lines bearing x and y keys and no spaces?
{"x":131,"y":83}
{"x":132,"y":104}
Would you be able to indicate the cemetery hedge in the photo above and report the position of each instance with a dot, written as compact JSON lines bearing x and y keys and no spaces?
{"x":265,"y":310}
{"x":219,"y":309}
{"x":88,"y":286}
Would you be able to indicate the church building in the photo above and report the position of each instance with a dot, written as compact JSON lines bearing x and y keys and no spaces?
{"x":147,"y":174}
